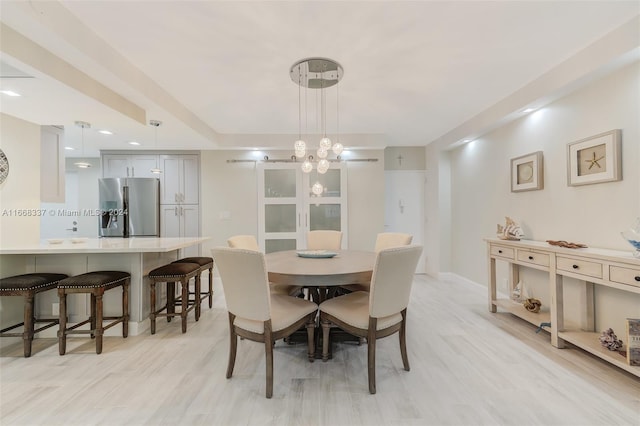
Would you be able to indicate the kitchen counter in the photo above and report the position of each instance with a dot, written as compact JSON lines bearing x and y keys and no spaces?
{"x":105,"y":245}
{"x":137,"y":256}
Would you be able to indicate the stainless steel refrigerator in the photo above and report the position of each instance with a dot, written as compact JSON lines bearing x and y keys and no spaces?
{"x":129,"y":207}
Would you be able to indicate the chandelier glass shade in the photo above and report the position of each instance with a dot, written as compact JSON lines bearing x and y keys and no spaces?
{"x":316,"y":73}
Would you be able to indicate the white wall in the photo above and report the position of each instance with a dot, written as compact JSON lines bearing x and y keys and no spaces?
{"x":590,"y":214}
{"x":20,"y":192}
{"x":231,"y":188}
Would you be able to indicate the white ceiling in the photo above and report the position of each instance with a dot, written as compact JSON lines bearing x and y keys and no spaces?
{"x":216,"y":73}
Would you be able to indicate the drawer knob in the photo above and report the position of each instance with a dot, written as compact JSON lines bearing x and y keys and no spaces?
{"x":575,"y":266}
{"x":530,"y":257}
{"x":499,"y":251}
{"x":637,"y":277}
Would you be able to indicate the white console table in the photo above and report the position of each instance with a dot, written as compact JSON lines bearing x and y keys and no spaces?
{"x":611,"y":268}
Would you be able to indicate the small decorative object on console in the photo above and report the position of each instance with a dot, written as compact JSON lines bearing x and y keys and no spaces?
{"x":632,"y":235}
{"x":609,"y":340}
{"x":532,"y":305}
{"x":633,"y":341}
{"x":511,"y":230}
{"x":566,"y":244}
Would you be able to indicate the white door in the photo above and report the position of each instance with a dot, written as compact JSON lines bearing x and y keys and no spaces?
{"x":404,"y":205}
{"x":287,"y":209}
{"x":170,"y":180}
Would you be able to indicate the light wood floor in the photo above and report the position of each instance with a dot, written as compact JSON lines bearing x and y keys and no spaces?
{"x":468,"y":367}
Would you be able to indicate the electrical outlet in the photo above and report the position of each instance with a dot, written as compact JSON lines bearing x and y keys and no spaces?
{"x":55,"y":309}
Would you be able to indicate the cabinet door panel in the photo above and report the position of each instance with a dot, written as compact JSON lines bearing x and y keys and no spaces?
{"x":190,"y":224}
{"x":141,"y":166}
{"x":170,"y":221}
{"x":116,"y":166}
{"x":170,"y":181}
{"x":190,"y":187}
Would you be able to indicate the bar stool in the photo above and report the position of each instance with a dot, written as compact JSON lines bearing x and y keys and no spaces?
{"x":170,"y":274}
{"x":94,"y":283}
{"x":28,"y":285}
{"x":205,"y":263}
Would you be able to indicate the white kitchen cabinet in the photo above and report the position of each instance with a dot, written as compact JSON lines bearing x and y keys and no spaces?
{"x":52,"y":168}
{"x":181,"y":221}
{"x":180,"y":180}
{"x":135,"y":165}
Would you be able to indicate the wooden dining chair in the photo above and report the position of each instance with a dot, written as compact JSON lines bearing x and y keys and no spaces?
{"x":384,"y":240}
{"x":324,"y":240}
{"x":249,"y":242}
{"x":378,"y":313}
{"x":255,"y":313}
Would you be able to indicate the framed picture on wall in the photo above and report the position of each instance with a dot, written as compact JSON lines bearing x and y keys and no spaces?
{"x":595,"y":159}
{"x":527,"y":172}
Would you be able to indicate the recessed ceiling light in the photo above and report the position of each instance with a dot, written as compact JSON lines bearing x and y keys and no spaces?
{"x":134,"y":143}
{"x":528,"y":110}
{"x":69,"y":148}
{"x":105,"y":132}
{"x":10,"y":93}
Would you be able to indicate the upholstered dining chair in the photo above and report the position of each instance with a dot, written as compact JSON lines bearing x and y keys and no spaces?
{"x":249,"y":242}
{"x":324,"y":240}
{"x":384,"y":240}
{"x":255,"y":313}
{"x":378,"y":313}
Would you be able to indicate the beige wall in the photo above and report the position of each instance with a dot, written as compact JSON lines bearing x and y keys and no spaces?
{"x":590,"y":214}
{"x":229,"y":196}
{"x":20,"y":192}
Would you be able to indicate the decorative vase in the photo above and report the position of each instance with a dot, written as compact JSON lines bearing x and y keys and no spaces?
{"x":632,"y":235}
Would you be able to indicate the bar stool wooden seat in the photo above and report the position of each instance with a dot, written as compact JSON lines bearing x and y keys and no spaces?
{"x":27,"y":286}
{"x":94,"y":283}
{"x":180,"y":272}
{"x":206,"y":263}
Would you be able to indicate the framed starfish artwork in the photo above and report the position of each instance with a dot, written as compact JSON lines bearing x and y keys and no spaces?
{"x":595,"y":159}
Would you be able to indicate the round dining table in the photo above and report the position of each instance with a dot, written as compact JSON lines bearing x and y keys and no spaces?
{"x":319,"y":274}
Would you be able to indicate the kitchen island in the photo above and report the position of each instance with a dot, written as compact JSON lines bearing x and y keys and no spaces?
{"x":137,"y":256}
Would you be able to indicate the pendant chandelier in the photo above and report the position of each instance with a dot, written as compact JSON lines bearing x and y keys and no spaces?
{"x":320,"y":74}
{"x":155,"y":124}
{"x":83,"y":164}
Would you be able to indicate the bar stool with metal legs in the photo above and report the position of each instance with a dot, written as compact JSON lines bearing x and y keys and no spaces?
{"x":94,"y":283}
{"x":170,"y":274}
{"x":28,"y":285}
{"x":205,"y":263}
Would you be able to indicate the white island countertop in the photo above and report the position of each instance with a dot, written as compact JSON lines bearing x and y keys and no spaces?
{"x":105,"y":245}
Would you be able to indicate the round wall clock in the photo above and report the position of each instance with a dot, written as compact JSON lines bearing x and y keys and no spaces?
{"x":4,"y":166}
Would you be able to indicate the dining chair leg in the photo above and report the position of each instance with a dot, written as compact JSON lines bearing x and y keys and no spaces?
{"x":27,"y":335}
{"x":99,"y":329}
{"x":62,"y":330}
{"x":311,"y":325}
{"x":171,"y":300}
{"x":326,"y":326}
{"x":233,"y":346}
{"x":371,"y":354}
{"x":125,"y":309}
{"x":403,"y":340}
{"x":268,"y":349}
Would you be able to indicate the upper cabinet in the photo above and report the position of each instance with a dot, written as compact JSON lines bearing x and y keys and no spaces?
{"x":180,"y":179}
{"x":135,"y":165}
{"x":52,"y":167}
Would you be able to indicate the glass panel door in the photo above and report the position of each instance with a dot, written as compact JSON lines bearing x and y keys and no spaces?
{"x":279,"y":215}
{"x":329,"y":209}
{"x":288,"y":208}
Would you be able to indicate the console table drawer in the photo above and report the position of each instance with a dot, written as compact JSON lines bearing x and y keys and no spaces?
{"x":580,"y":267}
{"x":541,"y":259}
{"x":622,"y":275}
{"x":502,"y":251}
